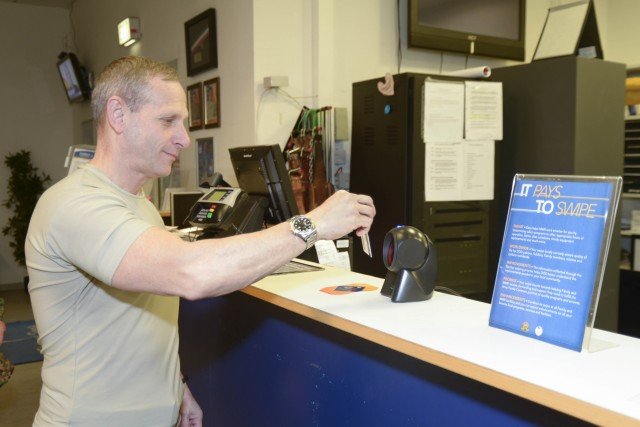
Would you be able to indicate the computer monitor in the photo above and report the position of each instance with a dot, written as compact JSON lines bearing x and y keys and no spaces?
{"x":181,"y":203}
{"x":260,"y":171}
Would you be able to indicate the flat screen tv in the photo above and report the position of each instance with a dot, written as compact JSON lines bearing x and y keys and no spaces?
{"x":73,"y":78}
{"x":260,"y":171}
{"x":493,"y":28}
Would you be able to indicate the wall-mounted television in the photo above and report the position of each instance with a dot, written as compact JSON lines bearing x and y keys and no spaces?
{"x":493,"y":28}
{"x":74,"y":78}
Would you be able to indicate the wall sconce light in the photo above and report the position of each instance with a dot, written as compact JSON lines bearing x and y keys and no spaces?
{"x":129,"y":31}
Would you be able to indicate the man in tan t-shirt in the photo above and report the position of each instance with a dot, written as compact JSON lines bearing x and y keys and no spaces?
{"x":105,"y":276}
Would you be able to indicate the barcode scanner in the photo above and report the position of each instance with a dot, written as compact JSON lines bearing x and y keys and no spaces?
{"x":412,"y":262}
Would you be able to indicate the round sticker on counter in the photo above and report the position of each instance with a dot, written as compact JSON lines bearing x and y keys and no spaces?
{"x":348,"y":289}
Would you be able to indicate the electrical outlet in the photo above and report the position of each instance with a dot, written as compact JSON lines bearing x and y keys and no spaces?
{"x":276,"y":81}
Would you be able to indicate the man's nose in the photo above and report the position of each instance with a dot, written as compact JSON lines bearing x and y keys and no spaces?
{"x":182,"y":138}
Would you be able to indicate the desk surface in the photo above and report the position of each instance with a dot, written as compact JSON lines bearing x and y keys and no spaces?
{"x":601,"y":387}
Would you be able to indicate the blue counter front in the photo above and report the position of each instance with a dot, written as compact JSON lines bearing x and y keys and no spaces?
{"x":283,"y":353}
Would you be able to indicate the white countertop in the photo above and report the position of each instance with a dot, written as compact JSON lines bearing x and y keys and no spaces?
{"x":602,"y":387}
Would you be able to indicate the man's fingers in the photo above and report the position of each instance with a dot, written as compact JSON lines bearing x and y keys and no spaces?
{"x":367,"y":211}
{"x":367,"y":201}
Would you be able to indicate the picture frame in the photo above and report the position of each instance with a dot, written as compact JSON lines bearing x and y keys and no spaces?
{"x":201,"y":42}
{"x":211,"y":101}
{"x":204,"y":160}
{"x":194,"y":105}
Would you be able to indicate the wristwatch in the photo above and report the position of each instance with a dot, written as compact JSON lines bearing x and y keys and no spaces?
{"x":305,"y":229}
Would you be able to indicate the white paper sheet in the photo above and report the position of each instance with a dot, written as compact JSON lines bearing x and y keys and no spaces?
{"x":483,"y":111}
{"x":329,"y":255}
{"x":477,"y":170}
{"x":459,"y":171}
{"x":443,"y":112}
{"x":442,"y":172}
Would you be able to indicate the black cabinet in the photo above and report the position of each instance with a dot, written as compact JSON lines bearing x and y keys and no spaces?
{"x":629,"y":315}
{"x":388,"y":163}
{"x":460,"y":231}
{"x":562,"y":116}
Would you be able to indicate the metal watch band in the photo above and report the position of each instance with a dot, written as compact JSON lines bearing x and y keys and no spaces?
{"x":304,"y":228}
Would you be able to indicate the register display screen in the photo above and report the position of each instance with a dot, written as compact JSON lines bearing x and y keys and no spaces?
{"x":217,"y":195}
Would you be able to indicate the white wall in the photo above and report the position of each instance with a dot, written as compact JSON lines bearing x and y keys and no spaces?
{"x":34,"y":113}
{"x":282,"y":47}
{"x":162,"y":23}
{"x":622,"y":32}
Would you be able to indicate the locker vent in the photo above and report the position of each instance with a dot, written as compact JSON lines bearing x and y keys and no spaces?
{"x":393,"y":133}
{"x":369,"y":104}
{"x":369,"y":135}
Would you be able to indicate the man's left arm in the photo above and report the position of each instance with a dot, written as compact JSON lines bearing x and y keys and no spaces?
{"x":190,"y":412}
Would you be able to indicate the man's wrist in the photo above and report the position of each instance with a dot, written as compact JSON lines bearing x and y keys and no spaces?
{"x":303,"y":227}
{"x":317,"y":223}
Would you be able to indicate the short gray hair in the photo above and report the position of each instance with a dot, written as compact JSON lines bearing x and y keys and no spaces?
{"x":128,"y":78}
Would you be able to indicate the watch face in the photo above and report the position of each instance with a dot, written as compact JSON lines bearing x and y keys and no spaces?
{"x":302,"y":224}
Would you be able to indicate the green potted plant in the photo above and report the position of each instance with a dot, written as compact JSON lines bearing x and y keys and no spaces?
{"x":26,"y":184}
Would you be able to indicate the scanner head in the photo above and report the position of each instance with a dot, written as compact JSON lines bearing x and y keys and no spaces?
{"x":405,"y":247}
{"x":411,"y":259}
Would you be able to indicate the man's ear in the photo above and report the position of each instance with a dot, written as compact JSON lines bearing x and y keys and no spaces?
{"x":116,"y":110}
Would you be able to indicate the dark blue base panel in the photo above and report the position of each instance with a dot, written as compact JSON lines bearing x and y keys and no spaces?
{"x":251,"y":363}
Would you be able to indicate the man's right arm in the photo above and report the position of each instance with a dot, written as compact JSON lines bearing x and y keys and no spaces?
{"x":161,"y":263}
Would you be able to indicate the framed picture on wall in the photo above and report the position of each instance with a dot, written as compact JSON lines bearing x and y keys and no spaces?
{"x":201,"y":42}
{"x":212,"y":103}
{"x":204,"y":162}
{"x":194,"y":104}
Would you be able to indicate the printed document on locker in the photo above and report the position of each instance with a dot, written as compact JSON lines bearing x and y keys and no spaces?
{"x":483,"y":111}
{"x":443,"y":111}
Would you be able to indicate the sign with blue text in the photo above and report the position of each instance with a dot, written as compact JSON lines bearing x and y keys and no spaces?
{"x":554,"y":250}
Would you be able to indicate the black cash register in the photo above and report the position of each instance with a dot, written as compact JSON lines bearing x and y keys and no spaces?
{"x":265,"y":195}
{"x":225,"y":211}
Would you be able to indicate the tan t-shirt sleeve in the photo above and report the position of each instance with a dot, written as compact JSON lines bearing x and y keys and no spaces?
{"x":94,"y":237}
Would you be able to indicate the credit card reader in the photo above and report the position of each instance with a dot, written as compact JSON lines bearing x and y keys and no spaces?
{"x":215,"y":207}
{"x":225,"y":211}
